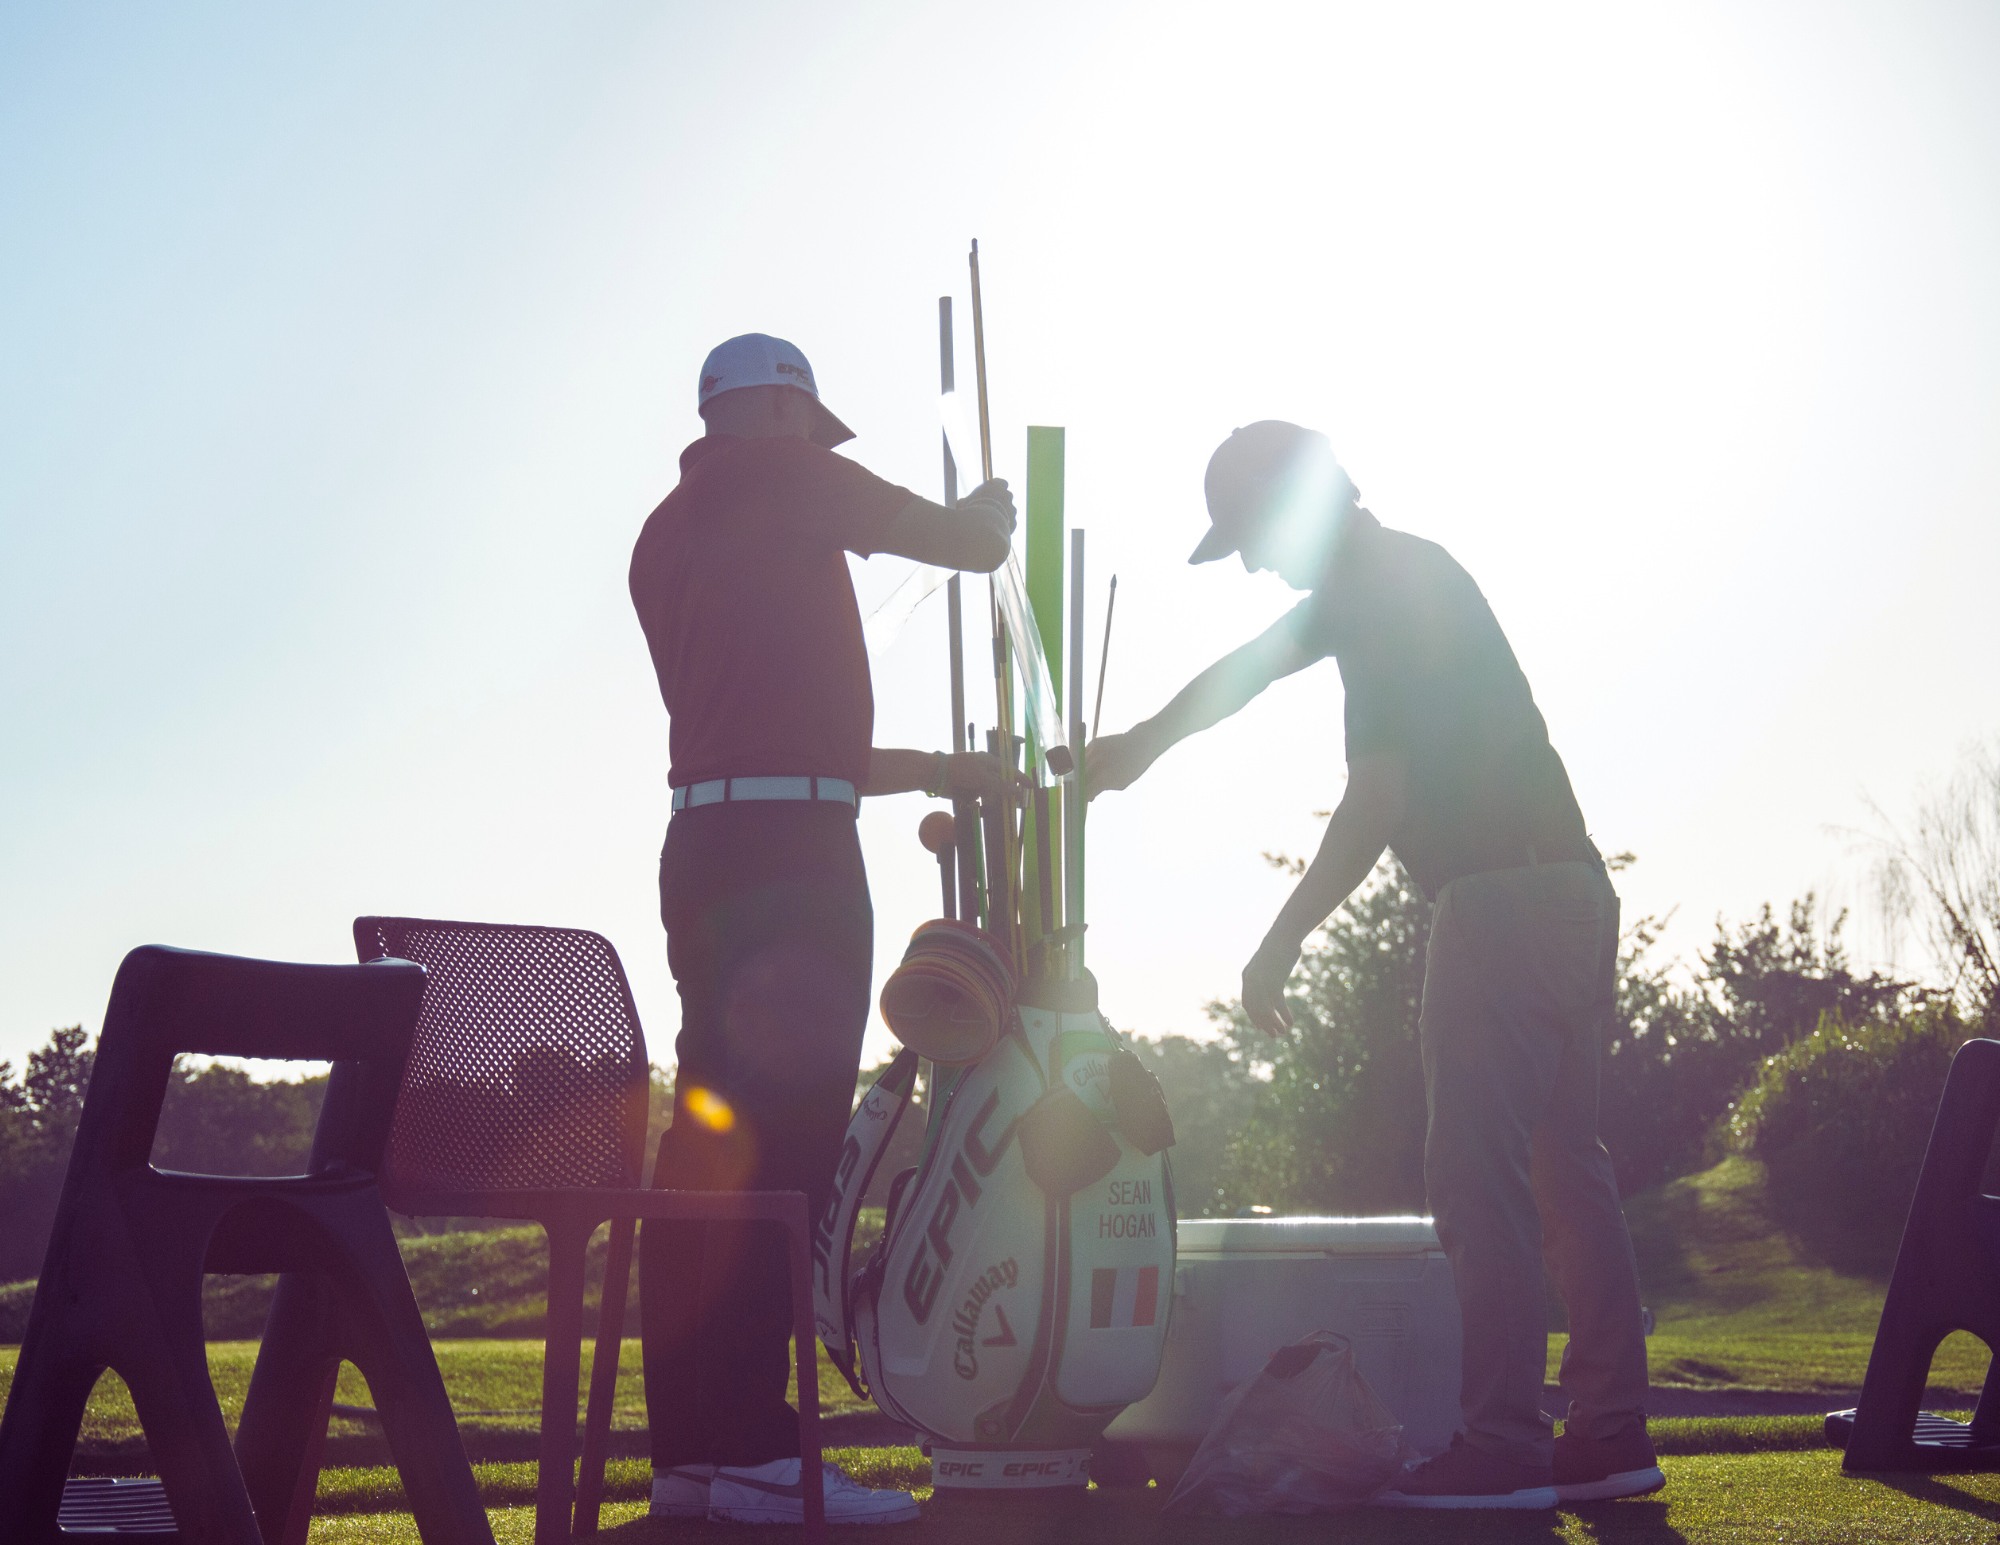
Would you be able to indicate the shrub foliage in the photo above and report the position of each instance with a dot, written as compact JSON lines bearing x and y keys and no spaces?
{"x":1331,"y":1118}
{"x":1841,"y":1120}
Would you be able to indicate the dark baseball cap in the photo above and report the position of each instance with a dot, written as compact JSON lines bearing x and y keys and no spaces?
{"x":1266,"y":470}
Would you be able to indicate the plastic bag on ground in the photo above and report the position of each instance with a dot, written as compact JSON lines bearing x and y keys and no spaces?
{"x":1305,"y":1435}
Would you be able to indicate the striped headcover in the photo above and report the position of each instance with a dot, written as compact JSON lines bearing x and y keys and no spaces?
{"x":951,"y":995}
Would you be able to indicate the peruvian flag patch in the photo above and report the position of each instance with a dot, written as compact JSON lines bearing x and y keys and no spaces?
{"x":1122,"y":1297}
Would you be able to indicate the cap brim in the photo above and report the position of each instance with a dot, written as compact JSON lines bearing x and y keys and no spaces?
{"x":1219,"y":543}
{"x":828,"y":430}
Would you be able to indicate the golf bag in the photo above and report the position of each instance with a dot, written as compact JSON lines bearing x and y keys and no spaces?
{"x":1019,"y":1296}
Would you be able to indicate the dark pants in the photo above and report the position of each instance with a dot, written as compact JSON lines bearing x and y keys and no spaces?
{"x":770,"y":936}
{"x":1518,"y":995}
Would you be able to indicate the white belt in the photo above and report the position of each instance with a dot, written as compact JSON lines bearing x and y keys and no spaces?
{"x":718,"y":791}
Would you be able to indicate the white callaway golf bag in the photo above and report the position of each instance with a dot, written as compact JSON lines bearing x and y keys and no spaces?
{"x":1018,"y":1299}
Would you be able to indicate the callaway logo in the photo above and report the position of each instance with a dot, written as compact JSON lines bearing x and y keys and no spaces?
{"x":965,"y":1361}
{"x":709,"y":384}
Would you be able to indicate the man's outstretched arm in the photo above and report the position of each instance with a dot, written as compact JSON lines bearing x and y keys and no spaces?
{"x":943,"y":774}
{"x":975,"y":533}
{"x":1368,"y":815}
{"x":1116,"y":761}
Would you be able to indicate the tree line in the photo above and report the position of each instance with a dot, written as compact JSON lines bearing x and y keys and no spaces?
{"x":1769,"y":1044}
{"x":215,"y":1120}
{"x":1331,"y":1119}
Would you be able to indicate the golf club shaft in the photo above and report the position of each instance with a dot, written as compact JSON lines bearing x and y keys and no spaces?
{"x":979,"y":369}
{"x":965,"y":812}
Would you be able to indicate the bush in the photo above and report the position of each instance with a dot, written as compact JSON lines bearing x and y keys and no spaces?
{"x":1679,"y":1055}
{"x":1335,"y":1110}
{"x":1841,"y":1120}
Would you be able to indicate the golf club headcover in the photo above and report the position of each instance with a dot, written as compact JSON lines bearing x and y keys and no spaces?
{"x":952,"y":995}
{"x":1063,"y":1144}
{"x":1140,"y":1102}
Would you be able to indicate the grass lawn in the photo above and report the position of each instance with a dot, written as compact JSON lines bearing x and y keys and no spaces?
{"x":495,"y":1386}
{"x":1740,"y":1303}
{"x":375,"y":1489}
{"x":489,"y":1283}
{"x":1799,"y":1499}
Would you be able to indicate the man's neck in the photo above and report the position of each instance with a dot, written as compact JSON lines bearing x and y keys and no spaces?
{"x":1357,"y":526}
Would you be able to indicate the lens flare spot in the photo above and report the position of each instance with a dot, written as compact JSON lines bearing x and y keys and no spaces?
{"x":710,"y":1109}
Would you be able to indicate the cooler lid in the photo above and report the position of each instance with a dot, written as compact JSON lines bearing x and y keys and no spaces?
{"x":1317,"y":1236}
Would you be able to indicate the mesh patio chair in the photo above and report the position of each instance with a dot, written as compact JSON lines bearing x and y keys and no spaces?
{"x":525,"y":1097}
{"x":121,"y":1285}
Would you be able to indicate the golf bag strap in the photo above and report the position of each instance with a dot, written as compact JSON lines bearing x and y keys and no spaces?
{"x":868,"y":1133}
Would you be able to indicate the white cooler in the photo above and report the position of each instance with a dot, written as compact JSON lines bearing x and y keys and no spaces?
{"x":1244,"y":1287}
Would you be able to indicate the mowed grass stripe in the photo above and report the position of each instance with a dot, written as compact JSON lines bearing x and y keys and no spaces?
{"x":480,"y":1376}
{"x":1742,"y":1499}
{"x":377,"y":1490}
{"x":905,"y":1468}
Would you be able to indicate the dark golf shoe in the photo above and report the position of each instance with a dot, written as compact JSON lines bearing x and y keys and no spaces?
{"x":1598,"y":1469}
{"x":1464,"y":1477}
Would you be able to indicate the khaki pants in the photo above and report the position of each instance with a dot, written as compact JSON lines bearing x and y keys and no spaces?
{"x":1518,"y":995}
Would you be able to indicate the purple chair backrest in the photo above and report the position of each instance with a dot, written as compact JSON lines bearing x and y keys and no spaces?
{"x":528,"y":1067}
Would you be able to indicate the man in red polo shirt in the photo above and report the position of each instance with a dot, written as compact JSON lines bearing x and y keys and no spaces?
{"x":741,"y":583}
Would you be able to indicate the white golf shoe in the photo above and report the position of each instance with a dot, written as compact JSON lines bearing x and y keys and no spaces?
{"x":682,"y":1492}
{"x":770,"y":1494}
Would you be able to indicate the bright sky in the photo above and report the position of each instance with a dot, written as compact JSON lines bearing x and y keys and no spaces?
{"x":344,"y":349}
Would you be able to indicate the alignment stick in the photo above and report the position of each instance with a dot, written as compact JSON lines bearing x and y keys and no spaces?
{"x":1097,"y":715}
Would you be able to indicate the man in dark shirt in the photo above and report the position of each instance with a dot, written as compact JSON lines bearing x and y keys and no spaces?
{"x":741,"y":584}
{"x":1449,"y":764}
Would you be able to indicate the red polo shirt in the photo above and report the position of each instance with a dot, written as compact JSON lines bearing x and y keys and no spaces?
{"x":741,"y":584}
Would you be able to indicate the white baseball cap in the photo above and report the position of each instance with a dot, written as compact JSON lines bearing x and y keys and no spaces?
{"x":758,"y":359}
